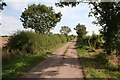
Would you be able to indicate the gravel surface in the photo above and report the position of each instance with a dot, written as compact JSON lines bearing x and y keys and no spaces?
{"x":63,"y":64}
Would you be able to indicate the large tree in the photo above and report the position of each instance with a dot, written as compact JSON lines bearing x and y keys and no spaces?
{"x":40,"y":18}
{"x":65,"y":30}
{"x":108,"y":16}
{"x":80,"y":30}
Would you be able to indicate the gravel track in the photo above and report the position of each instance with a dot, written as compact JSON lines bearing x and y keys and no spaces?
{"x":64,"y":63}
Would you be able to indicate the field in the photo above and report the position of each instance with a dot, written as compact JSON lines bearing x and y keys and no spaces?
{"x":3,"y":41}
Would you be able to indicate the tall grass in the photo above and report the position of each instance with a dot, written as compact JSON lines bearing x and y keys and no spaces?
{"x":96,"y":65}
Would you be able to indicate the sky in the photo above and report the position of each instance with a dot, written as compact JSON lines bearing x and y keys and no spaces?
{"x":10,"y":16}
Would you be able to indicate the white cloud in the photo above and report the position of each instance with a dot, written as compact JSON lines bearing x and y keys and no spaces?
{"x":9,"y":25}
{"x":73,"y":12}
{"x":9,"y":19}
{"x":73,"y":31}
{"x":68,"y":13}
{"x":17,"y":6}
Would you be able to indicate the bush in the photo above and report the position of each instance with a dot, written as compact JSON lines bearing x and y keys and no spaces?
{"x":30,"y":42}
{"x":63,"y":38}
{"x":55,"y":39}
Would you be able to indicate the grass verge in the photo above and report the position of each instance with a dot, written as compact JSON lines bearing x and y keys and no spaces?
{"x":16,"y":67}
{"x":95,"y":65}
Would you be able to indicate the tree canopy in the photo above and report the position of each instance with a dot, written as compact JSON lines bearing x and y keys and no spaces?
{"x":40,"y":18}
{"x":80,"y":30}
{"x":108,"y":16}
{"x":2,"y":4}
{"x":65,"y":30}
{"x":63,"y":3}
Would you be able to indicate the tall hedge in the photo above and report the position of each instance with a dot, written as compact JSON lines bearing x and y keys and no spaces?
{"x":30,"y":42}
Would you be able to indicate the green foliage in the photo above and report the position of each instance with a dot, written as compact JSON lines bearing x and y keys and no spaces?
{"x":95,"y":65}
{"x":108,"y":16}
{"x":2,"y":4}
{"x":57,"y":39}
{"x":15,"y":67}
{"x":63,"y":38}
{"x":81,"y":30}
{"x":63,"y":3}
{"x":25,"y":49}
{"x":118,"y":42}
{"x":30,"y":42}
{"x":40,"y":18}
{"x":65,"y":30}
{"x":26,"y":42}
{"x":96,"y":40}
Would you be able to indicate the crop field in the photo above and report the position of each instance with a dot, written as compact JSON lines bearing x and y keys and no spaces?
{"x":3,"y":41}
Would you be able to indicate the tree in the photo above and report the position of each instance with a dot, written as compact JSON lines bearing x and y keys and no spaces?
{"x":95,"y":41}
{"x":40,"y":18}
{"x":65,"y":30}
{"x":108,"y":16}
{"x":63,"y":3}
{"x":118,"y":42}
{"x":2,"y":4}
{"x":80,"y":30}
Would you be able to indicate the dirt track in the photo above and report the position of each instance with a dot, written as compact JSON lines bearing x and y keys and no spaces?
{"x":63,"y":64}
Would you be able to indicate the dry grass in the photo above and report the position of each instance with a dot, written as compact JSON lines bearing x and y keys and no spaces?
{"x":3,"y":41}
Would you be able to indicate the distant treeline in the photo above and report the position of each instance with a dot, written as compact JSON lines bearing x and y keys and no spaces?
{"x":5,"y":36}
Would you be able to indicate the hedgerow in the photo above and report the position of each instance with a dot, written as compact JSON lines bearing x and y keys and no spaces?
{"x":31,"y":42}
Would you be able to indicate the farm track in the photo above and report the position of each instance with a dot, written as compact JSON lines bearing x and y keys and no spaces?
{"x":64,"y":63}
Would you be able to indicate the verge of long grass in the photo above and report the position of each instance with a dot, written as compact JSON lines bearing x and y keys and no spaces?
{"x":96,"y":65}
{"x":16,"y":67}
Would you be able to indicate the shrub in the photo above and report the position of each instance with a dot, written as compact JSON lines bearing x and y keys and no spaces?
{"x":31,"y":42}
{"x":71,"y":37}
{"x":63,"y":38}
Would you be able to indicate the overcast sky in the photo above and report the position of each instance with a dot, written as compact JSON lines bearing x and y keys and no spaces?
{"x":10,"y":16}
